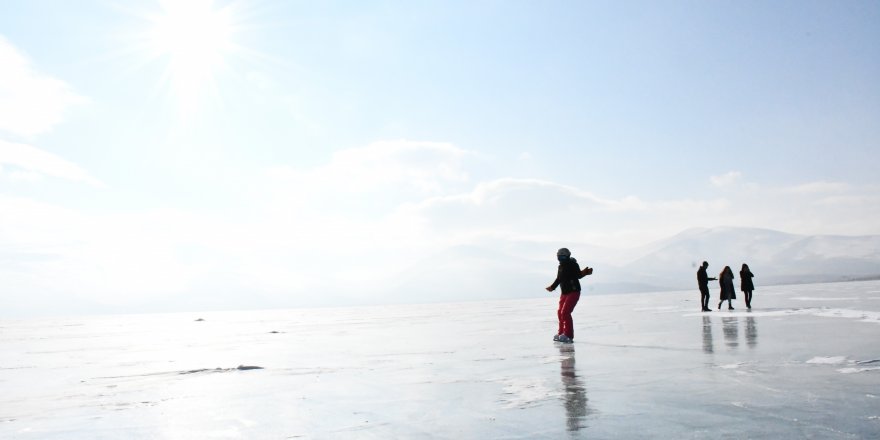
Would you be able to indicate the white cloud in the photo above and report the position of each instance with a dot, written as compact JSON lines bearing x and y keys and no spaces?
{"x":24,"y":176}
{"x":423,"y":166}
{"x":818,"y":188}
{"x":726,"y":179}
{"x":35,"y":163}
{"x":370,"y":179}
{"x":819,"y":207}
{"x":516,"y":208}
{"x":30,"y":102}
{"x":495,"y":191}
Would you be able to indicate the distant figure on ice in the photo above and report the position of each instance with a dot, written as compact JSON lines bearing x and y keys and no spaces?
{"x":728,"y":292}
{"x":703,"y":282}
{"x":568,"y":280}
{"x":746,"y":284}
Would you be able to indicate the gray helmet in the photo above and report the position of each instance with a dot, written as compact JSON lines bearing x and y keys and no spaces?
{"x":563,"y":252}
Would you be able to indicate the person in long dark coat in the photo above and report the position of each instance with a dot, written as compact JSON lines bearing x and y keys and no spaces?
{"x":728,"y":292}
{"x":746,"y":284}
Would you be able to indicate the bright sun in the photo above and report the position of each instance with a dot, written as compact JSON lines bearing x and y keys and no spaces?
{"x":194,"y":38}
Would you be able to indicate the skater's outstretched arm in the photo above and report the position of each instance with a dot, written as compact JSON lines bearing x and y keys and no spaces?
{"x":585,"y":272}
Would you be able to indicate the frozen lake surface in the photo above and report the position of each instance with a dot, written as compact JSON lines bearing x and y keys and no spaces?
{"x":804,"y":363}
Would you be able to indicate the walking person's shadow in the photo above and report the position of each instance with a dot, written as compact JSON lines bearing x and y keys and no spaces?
{"x":730,"y":326}
{"x":751,"y":332}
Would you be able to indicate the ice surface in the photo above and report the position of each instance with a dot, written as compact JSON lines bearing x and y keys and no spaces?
{"x":804,"y":363}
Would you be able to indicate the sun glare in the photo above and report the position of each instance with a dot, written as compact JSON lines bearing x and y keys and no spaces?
{"x":195,"y":38}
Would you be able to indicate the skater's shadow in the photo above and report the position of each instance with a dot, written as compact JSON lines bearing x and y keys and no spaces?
{"x":574,"y":391}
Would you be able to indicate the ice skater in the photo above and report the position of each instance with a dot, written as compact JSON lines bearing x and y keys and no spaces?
{"x":725,"y":279}
{"x":568,"y":280}
{"x":746,"y":284}
{"x":703,"y":283}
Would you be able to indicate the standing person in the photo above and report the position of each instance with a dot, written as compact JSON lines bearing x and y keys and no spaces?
{"x":568,"y":280}
{"x":746,"y":284}
{"x":703,"y":283}
{"x":728,"y":292}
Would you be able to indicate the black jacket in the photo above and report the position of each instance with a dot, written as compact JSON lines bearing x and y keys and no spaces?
{"x":702,"y":278}
{"x":745,"y":277}
{"x":568,"y":277}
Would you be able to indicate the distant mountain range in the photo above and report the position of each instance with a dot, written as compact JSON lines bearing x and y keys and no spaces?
{"x":522,"y":269}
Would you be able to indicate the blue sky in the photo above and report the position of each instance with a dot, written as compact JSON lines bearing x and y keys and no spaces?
{"x":152,"y":152}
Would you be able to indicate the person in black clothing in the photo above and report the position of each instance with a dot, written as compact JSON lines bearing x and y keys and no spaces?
{"x":728,"y":292}
{"x":703,"y":283}
{"x":746,"y":284}
{"x":568,"y":280}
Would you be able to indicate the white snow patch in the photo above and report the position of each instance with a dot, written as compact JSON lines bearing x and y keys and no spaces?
{"x":829,"y":360}
{"x":865,"y":315}
{"x":813,"y":298}
{"x":732,"y":366}
{"x":852,"y":370}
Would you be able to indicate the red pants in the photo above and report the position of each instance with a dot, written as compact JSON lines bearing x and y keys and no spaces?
{"x":567,"y":301}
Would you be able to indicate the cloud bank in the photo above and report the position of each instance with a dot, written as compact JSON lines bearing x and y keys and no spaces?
{"x":30,"y":102}
{"x":369,"y":221}
{"x":31,"y":163}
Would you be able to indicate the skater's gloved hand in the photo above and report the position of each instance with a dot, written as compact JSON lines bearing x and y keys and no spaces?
{"x":549,"y":289}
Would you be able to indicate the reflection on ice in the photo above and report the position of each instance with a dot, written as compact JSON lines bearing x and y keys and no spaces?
{"x":731,"y":331}
{"x":751,"y":332}
{"x":575,"y":397}
{"x":730,"y":326}
{"x":707,"y":335}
